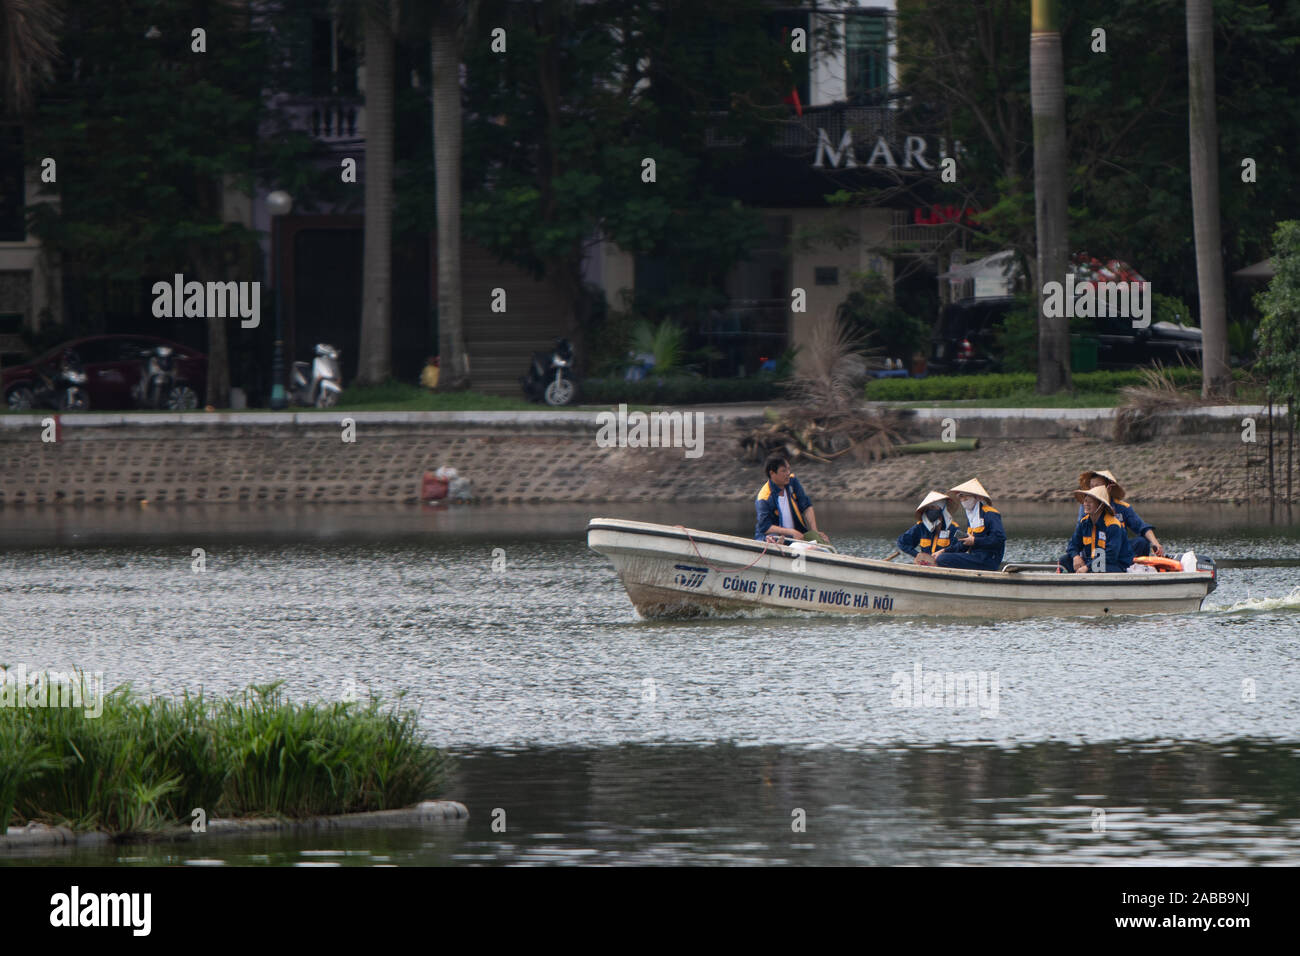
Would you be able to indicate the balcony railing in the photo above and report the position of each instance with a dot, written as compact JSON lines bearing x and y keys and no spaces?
{"x":906,"y":235}
{"x":335,"y":120}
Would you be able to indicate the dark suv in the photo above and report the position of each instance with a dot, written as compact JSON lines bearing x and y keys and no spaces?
{"x":963,"y":341}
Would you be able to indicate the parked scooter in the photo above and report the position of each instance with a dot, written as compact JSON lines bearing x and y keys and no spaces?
{"x":160,"y":385}
{"x":551,"y":377}
{"x":62,"y":387}
{"x":317,"y":383}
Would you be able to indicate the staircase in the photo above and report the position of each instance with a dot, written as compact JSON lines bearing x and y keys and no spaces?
{"x":500,"y":344}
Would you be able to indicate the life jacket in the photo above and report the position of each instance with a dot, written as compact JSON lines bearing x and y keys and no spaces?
{"x":769,"y":492}
{"x":1091,"y":539}
{"x":1160,"y":564}
{"x":983,"y":509}
{"x":940,"y":538}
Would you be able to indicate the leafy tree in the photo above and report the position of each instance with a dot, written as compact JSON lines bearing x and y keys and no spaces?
{"x":965,"y":68}
{"x":147,"y":134}
{"x":1279,"y":331}
{"x":140,"y":181}
{"x":558,"y":131}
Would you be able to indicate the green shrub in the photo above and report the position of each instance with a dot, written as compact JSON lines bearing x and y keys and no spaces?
{"x":944,"y":388}
{"x":682,"y":390}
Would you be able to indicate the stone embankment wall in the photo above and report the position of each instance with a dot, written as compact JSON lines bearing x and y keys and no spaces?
{"x":554,"y":456}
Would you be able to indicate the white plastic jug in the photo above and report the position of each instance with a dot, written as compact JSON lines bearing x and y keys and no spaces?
{"x":1188,"y":561}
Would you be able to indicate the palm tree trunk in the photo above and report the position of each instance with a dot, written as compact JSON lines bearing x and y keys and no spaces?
{"x":375,"y":359}
{"x":1047,"y":99}
{"x":1203,"y":139}
{"x":445,"y":47}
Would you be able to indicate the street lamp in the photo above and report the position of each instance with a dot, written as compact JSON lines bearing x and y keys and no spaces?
{"x":278,"y":204}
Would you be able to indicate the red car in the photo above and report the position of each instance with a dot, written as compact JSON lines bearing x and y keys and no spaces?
{"x":113,"y":365}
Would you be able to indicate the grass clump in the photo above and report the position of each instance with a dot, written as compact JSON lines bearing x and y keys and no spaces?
{"x":143,"y":765}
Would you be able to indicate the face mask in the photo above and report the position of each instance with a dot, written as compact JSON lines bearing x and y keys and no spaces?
{"x":934,"y":514}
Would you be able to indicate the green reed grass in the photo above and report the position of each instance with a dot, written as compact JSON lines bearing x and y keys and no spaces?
{"x":147,"y":764}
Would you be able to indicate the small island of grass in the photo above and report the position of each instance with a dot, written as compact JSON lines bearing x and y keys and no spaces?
{"x":145,"y":765}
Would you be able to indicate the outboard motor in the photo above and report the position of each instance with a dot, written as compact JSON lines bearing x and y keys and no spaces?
{"x":1207,"y":564}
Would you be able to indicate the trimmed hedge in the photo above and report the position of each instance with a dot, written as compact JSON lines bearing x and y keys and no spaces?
{"x":680,"y":390}
{"x":961,"y":387}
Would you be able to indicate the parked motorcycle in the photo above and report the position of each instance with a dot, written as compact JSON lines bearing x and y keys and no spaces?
{"x":317,"y":383}
{"x":551,"y":377}
{"x":60,"y":386}
{"x":160,"y":385}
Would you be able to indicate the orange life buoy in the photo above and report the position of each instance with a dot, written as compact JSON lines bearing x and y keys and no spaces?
{"x":1160,"y":564}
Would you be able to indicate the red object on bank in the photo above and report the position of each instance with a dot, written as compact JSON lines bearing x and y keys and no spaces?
{"x":433,"y":488}
{"x":965,"y":351}
{"x":793,"y":100}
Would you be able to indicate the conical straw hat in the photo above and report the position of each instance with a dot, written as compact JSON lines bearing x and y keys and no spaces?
{"x":1099,"y":493}
{"x":934,"y":497}
{"x":972,"y":487}
{"x":1115,"y":492}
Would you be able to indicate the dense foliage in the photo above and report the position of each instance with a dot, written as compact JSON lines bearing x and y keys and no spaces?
{"x":146,"y":764}
{"x":1279,"y":332}
{"x":965,"y":67}
{"x":964,"y":387}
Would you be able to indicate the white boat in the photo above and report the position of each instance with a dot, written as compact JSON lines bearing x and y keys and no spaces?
{"x":672,"y":571}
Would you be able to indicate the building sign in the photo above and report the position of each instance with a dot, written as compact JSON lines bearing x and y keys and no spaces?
{"x":938,"y":215}
{"x":911,"y":153}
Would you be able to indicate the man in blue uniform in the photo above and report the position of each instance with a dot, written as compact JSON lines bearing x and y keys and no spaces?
{"x":982,"y":547}
{"x":1146,"y":542}
{"x":783,"y":509}
{"x":1099,"y":542}
{"x":933,"y":532}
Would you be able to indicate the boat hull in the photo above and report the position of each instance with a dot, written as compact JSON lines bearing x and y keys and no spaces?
{"x":671,"y":571}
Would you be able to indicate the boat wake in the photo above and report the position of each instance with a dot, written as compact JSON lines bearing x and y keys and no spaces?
{"x":1290,"y":602}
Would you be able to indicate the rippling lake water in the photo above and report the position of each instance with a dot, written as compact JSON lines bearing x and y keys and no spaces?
{"x":604,"y":738}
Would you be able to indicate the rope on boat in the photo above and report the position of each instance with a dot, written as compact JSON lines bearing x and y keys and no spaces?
{"x":721,"y":570}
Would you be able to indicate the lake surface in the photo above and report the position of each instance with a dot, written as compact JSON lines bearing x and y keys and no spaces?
{"x":603,"y":738}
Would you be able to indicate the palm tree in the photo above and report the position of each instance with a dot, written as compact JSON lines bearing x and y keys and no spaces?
{"x":374,"y":362}
{"x":1203,"y":140}
{"x":452,"y":20}
{"x":1047,"y":99}
{"x":29,"y":34}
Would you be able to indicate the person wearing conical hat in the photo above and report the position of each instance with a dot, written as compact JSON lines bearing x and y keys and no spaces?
{"x":1146,"y":542}
{"x":933,"y":532}
{"x":1099,"y":539}
{"x":982,"y":547}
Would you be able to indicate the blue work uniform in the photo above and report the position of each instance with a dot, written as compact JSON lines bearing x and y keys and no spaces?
{"x":1138,"y":547}
{"x":768,"y":511}
{"x":929,"y":540}
{"x":1090,"y":540}
{"x":986,"y":553}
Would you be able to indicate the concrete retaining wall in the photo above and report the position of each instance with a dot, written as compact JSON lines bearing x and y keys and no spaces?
{"x":1026,"y":454}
